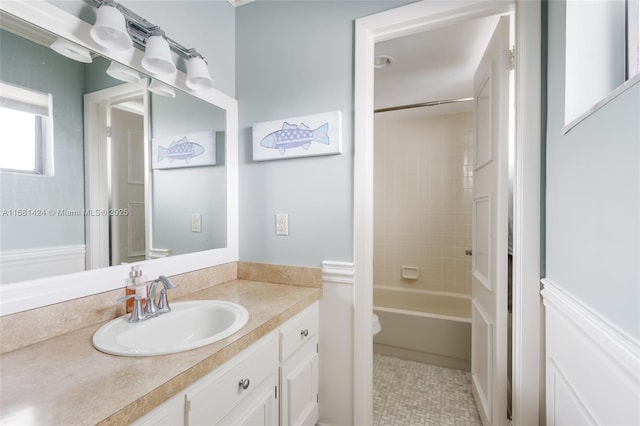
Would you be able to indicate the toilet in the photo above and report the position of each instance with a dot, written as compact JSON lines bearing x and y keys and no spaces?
{"x":375,"y":324}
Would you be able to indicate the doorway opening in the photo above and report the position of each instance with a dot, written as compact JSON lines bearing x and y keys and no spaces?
{"x":423,"y":202}
{"x":427,"y":16}
{"x":126,"y":170}
{"x":116,"y":128}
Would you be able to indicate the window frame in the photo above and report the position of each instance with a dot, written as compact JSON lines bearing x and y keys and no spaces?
{"x":630,"y":67}
{"x":40,"y":105}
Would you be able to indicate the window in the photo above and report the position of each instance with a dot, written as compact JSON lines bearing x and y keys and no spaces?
{"x":602,"y":54}
{"x":26,"y":132}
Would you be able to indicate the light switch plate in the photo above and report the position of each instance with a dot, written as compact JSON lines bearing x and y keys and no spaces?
{"x":282,"y":224}
{"x":196,"y":222}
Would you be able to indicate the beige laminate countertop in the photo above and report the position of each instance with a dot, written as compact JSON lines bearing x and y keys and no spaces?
{"x":66,"y":381}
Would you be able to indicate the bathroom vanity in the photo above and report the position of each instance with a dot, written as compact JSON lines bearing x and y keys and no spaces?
{"x":254,"y":386}
{"x":65,"y":380}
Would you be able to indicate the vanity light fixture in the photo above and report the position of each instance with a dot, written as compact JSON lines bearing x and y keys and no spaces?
{"x":118,"y":28}
{"x":159,"y":88}
{"x":198,"y":78}
{"x":110,"y":29}
{"x":71,"y":50}
{"x":157,"y":56}
{"x":122,"y":73}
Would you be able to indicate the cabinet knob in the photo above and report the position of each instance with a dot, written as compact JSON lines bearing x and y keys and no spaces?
{"x":304,"y":333}
{"x":244,"y":383}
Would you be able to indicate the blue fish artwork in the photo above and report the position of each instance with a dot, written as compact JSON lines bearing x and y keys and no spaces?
{"x":292,"y":136}
{"x":181,"y":149}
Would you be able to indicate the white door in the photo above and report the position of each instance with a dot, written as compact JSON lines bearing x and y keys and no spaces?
{"x":127,"y":187}
{"x":489,"y":219}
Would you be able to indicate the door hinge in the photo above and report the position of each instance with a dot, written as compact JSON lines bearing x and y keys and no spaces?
{"x":318,"y":398}
{"x":511,"y":58}
{"x":541,"y":286}
{"x":276,"y":392}
{"x":107,"y":131}
{"x":317,"y":347}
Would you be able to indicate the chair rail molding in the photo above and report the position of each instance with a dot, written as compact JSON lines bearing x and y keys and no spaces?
{"x":338,"y":272}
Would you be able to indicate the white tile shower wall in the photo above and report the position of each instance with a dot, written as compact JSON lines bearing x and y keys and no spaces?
{"x":423,"y":182}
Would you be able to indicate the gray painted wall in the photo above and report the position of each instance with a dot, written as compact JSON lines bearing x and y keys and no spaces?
{"x":179,"y":192}
{"x":30,"y":65}
{"x":296,"y":58}
{"x":593,"y":196}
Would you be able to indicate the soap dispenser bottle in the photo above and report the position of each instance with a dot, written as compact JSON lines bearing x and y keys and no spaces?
{"x":130,"y":288}
{"x":141,"y":286}
{"x":136,"y":286}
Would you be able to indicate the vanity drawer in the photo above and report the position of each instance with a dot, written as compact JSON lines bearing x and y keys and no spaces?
{"x":299,"y":330}
{"x":208,"y":402}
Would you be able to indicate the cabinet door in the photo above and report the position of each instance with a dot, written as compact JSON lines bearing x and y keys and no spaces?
{"x":299,"y":384}
{"x":213,"y":398}
{"x":261,"y":409}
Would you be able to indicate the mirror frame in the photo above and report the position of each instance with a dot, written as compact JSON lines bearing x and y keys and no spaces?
{"x":25,"y":295}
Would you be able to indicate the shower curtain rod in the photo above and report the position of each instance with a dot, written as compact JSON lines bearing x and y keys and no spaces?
{"x":422,"y":104}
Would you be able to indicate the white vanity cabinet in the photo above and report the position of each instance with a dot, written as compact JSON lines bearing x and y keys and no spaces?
{"x":299,"y":369}
{"x":241,"y":390}
{"x":274,"y":381}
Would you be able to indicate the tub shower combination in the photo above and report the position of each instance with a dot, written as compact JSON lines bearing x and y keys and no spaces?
{"x":425,"y":326}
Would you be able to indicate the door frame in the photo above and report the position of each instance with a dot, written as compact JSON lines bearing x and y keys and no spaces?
{"x":528,"y":337}
{"x":97,"y":158}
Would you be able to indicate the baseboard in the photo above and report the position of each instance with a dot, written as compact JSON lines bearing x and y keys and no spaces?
{"x":592,"y":366}
{"x":21,"y":265}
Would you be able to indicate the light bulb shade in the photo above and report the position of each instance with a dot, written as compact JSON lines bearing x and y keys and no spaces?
{"x":110,"y":29}
{"x":123,"y":73}
{"x":159,"y":88}
{"x":71,"y":50}
{"x":198,"y":78}
{"x":157,"y":56}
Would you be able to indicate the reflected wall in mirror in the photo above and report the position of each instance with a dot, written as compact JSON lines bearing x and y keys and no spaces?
{"x":45,"y":216}
{"x":189,"y":213}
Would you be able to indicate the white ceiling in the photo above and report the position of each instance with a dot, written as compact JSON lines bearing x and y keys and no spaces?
{"x":431,"y":66}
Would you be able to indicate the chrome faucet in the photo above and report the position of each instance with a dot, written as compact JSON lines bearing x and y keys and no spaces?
{"x":153,"y":308}
{"x":137,"y":314}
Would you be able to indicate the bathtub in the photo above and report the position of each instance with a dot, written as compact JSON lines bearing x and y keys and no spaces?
{"x":424,"y":326}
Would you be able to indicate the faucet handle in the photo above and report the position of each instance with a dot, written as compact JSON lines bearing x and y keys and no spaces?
{"x":137,"y":314}
{"x":166,"y":282}
{"x":163,"y":303}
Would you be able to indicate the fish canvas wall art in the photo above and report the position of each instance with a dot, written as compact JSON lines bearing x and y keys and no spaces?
{"x":305,"y":136}
{"x":188,"y":150}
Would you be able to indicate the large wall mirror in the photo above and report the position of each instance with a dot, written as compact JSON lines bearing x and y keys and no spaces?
{"x":127,"y":172}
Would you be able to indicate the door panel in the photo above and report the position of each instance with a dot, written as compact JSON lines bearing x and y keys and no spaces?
{"x":489,"y":220}
{"x":127,"y":187}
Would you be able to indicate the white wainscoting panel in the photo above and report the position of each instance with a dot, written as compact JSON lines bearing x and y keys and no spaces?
{"x":592,"y":367}
{"x":335,"y":357}
{"x":29,"y":264}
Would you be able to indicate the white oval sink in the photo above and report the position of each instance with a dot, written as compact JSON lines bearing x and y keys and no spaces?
{"x":189,"y":325}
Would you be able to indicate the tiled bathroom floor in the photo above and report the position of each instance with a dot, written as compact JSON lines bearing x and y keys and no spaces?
{"x":414,"y":393}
